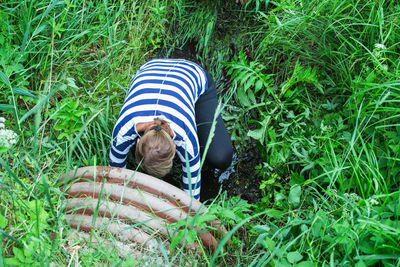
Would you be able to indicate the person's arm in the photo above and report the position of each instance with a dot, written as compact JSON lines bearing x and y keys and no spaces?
{"x":192,"y":177}
{"x":120,"y":146}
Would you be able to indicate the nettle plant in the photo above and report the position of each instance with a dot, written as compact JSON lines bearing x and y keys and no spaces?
{"x":69,"y":116}
{"x":284,"y":124}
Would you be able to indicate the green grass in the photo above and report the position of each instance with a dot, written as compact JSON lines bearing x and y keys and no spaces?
{"x":314,"y":83}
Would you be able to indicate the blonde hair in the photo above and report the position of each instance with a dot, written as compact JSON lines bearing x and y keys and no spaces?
{"x":156,"y":150}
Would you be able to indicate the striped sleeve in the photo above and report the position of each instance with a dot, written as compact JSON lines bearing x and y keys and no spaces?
{"x":122,"y":140}
{"x":191,"y":173}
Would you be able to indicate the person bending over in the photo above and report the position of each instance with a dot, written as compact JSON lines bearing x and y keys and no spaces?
{"x":169,"y":108}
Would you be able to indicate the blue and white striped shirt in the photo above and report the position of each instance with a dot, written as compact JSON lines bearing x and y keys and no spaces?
{"x":167,"y":89}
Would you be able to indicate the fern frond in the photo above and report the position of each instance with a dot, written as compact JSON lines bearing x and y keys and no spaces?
{"x":250,"y":79}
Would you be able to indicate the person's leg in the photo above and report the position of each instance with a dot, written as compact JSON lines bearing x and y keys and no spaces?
{"x":220,"y":151}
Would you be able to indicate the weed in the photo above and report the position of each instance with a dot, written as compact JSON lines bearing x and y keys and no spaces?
{"x":70,"y":118}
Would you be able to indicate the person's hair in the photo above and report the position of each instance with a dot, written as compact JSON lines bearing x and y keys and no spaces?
{"x":156,"y":150}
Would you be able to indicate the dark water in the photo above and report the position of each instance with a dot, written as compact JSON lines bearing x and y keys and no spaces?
{"x":241,"y":179}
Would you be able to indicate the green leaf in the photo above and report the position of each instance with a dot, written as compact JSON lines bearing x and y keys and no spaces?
{"x":12,"y":262}
{"x":23,"y":92}
{"x":242,"y":97}
{"x":227,"y":213}
{"x":6,"y":107}
{"x":191,"y":236}
{"x":257,"y":134}
{"x":271,"y":244}
{"x":288,"y":93}
{"x":277,"y":214}
{"x":175,"y":241}
{"x":130,"y":262}
{"x":5,"y":79}
{"x":62,"y":135}
{"x":378,"y":257}
{"x":19,"y":254}
{"x":3,"y":222}
{"x":305,"y":264}
{"x":59,"y":127}
{"x":261,"y":240}
{"x":283,"y":263}
{"x":80,"y":113}
{"x":39,"y":30}
{"x":28,"y":251}
{"x":205,"y":218}
{"x":307,"y":167}
{"x":252,"y":97}
{"x":258,"y":86}
{"x":294,"y":257}
{"x":261,"y":228}
{"x":360,"y":264}
{"x":74,"y":104}
{"x":294,"y":195}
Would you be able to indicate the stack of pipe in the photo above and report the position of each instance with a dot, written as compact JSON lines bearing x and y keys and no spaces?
{"x":133,"y":206}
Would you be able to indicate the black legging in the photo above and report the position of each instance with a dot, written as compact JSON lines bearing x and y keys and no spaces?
{"x":220,"y":151}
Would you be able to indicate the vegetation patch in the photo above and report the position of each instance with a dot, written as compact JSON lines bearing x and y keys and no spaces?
{"x":310,"y":93}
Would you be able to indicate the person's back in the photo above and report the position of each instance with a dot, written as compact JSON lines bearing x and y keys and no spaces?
{"x":168,"y":90}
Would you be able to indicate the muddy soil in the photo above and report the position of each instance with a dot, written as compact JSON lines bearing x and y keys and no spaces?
{"x":241,"y":179}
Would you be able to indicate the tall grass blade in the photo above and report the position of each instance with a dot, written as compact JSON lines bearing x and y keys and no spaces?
{"x":38,"y":106}
{"x":23,"y":92}
{"x":10,"y":172}
{"x":48,"y":197}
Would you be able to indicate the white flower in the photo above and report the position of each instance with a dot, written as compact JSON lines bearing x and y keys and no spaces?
{"x":353,"y":197}
{"x":373,"y":202}
{"x":380,"y":46}
{"x":7,"y":137}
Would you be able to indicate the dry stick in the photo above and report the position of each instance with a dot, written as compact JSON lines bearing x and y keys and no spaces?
{"x":74,"y":251}
{"x":83,"y":12}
